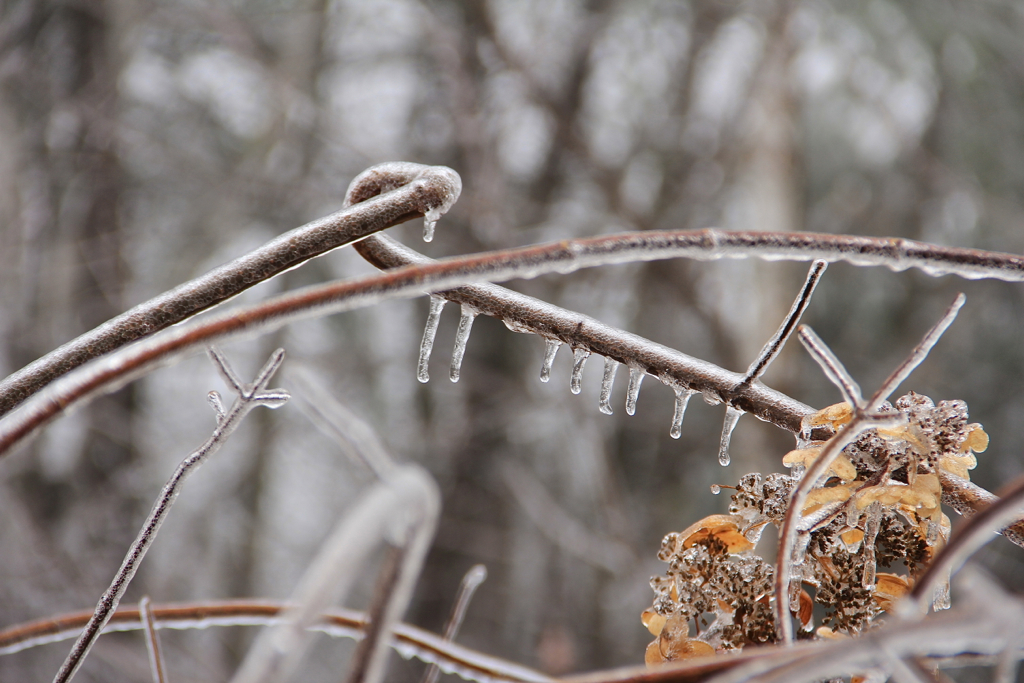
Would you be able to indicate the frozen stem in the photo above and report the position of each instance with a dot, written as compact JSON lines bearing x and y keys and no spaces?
{"x":476,"y":575}
{"x":249,"y":396}
{"x":156,"y":657}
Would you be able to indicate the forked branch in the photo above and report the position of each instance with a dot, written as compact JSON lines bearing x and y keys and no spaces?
{"x":249,"y":396}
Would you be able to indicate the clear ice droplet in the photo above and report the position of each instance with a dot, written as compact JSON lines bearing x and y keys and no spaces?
{"x":636,"y":376}
{"x":732,"y":416}
{"x":550,"y":349}
{"x":461,"y":339}
{"x":430,"y":219}
{"x":682,"y":399}
{"x":579,"y":358}
{"x":715,"y":489}
{"x":611,"y":366}
{"x":429,"y":332}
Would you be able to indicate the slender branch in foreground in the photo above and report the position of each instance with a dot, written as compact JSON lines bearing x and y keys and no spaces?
{"x":336,"y":622}
{"x":249,"y":396}
{"x":470,"y":582}
{"x":425,"y":191}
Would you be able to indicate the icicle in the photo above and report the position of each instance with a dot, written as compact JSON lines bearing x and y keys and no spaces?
{"x":579,"y":357}
{"x":940,"y":598}
{"x":610,"y":368}
{"x":550,"y":349}
{"x":732,"y":416}
{"x":430,"y":219}
{"x":715,"y":488}
{"x":429,"y":332}
{"x":682,"y":399}
{"x":461,"y":339}
{"x":636,"y":376}
{"x":873,"y":519}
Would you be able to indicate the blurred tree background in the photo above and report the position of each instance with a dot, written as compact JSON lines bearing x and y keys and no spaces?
{"x":143,"y":143}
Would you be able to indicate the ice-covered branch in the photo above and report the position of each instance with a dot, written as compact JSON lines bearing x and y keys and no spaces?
{"x":476,"y":575}
{"x":249,"y":396}
{"x":424,"y":191}
{"x":523,"y":313}
{"x":336,"y":622}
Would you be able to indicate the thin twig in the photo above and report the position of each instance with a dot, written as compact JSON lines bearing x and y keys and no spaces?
{"x":833,"y":369}
{"x":918,"y":355}
{"x":774,"y":346}
{"x":426,"y":190}
{"x":156,"y":657}
{"x":251,"y":396}
{"x":470,"y":582}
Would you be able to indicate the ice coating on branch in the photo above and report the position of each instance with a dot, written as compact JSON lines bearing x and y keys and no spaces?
{"x":579,"y":358}
{"x":732,"y":416}
{"x":611,"y":366}
{"x":429,"y":332}
{"x":682,"y":399}
{"x":636,"y":376}
{"x":550,"y":349}
{"x":461,"y":339}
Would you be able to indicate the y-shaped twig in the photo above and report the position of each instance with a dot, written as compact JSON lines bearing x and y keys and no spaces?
{"x":864,"y":418}
{"x":249,"y":396}
{"x":426,"y":191}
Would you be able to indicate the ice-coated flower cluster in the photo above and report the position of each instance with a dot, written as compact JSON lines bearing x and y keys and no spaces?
{"x":877,"y":506}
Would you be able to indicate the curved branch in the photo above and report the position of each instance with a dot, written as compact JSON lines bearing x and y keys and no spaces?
{"x":426,"y":190}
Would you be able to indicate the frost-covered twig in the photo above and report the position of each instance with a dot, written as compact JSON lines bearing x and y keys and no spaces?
{"x":336,"y":622}
{"x":249,"y":396}
{"x":768,"y":354}
{"x":476,"y":575}
{"x":153,"y":649}
{"x":426,"y":191}
{"x":864,"y":418}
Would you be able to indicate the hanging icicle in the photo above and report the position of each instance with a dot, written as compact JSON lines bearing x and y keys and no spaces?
{"x":550,"y":349}
{"x":579,"y":358}
{"x":682,"y":399}
{"x":636,"y":376}
{"x":461,"y":339}
{"x":607,"y":381}
{"x":429,"y":332}
{"x":732,"y":416}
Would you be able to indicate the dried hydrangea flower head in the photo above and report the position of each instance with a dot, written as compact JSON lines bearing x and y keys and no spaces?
{"x":877,"y":506}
